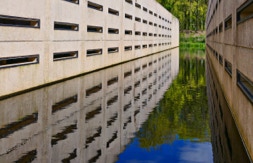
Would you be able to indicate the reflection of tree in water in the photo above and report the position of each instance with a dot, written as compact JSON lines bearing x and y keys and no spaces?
{"x":183,"y":112}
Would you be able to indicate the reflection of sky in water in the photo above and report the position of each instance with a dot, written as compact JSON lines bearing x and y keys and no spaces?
{"x":182,"y":151}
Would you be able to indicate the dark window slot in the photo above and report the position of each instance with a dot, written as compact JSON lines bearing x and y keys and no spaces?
{"x":93,"y":113}
{"x":72,"y":156}
{"x":92,"y":52}
{"x":19,"y":21}
{"x":245,"y":84}
{"x":245,"y":12}
{"x":138,"y":5}
{"x":93,"y":90}
{"x":155,"y":25}
{"x":138,"y":33}
{"x":112,"y":100}
{"x":73,"y":1}
{"x":144,"y":66}
{"x":144,"y":79}
{"x":95,"y":6}
{"x":228,"y":22}
{"x":129,"y":120}
{"x":136,"y":47}
{"x":159,"y":35}
{"x":115,"y":135}
{"x":150,"y":63}
{"x":95,"y":158}
{"x":15,"y":126}
{"x":144,"y":103}
{"x":29,"y":156}
{"x":128,"y":16}
{"x":128,"y":32}
{"x":220,"y":59}
{"x":63,"y":135}
{"x":155,"y":14}
{"x":136,"y":112}
{"x":155,"y":45}
{"x":145,"y":9}
{"x":127,"y":90}
{"x":65,"y":55}
{"x":113,"y":50}
{"x":129,"y":1}
{"x":144,"y":34}
{"x":95,"y":29}
{"x":160,"y":26}
{"x":150,"y":97}
{"x":155,"y":35}
{"x":113,"y":12}
{"x":112,"y":81}
{"x":137,"y":69}
{"x":150,"y":23}
{"x":18,"y":61}
{"x":113,"y":31}
{"x":144,"y":46}
{"x":155,"y":91}
{"x":150,"y":45}
{"x":137,"y":97}
{"x":92,"y":138}
{"x":112,"y":119}
{"x":159,"y":44}
{"x":128,"y":48}
{"x":151,"y":12}
{"x":66,"y":26}
{"x":150,"y":34}
{"x":228,"y":67}
{"x":64,"y":103}
{"x":127,"y":106}
{"x":221,"y":27}
{"x":137,"y":84}
{"x":126,"y":74}
{"x":137,"y":19}
{"x":145,"y":21}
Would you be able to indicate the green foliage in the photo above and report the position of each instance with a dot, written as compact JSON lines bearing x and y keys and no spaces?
{"x":191,"y":13}
{"x":183,"y":112}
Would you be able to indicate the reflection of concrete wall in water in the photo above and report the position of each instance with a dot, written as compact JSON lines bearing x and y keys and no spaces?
{"x":226,"y":141}
{"x":49,"y":40}
{"x":91,"y":118}
{"x":229,"y":47}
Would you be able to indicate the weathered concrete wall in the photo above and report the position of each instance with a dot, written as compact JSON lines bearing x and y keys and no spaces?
{"x":137,"y":28}
{"x":69,"y":118}
{"x":229,"y":41}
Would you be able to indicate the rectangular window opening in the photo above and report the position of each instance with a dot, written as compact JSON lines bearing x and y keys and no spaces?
{"x":18,"y":61}
{"x":126,"y":74}
{"x":151,"y":12}
{"x":95,"y":29}
{"x":128,"y":32}
{"x":113,"y":50}
{"x":137,"y":5}
{"x":144,"y":46}
{"x":228,"y":22}
{"x":113,"y":31}
{"x":137,"y":19}
{"x":228,"y":67}
{"x":128,"y":48}
{"x":221,"y":27}
{"x":138,"y":33}
{"x":65,"y":55}
{"x":66,"y":26}
{"x":129,"y":1}
{"x":145,"y":21}
{"x":112,"y":81}
{"x":113,"y":12}
{"x":144,"y":34}
{"x":128,"y":16}
{"x":245,"y":84}
{"x":64,"y":103}
{"x":221,"y":59}
{"x":136,"y":47}
{"x":19,"y":21}
{"x":93,"y":90}
{"x":145,"y":9}
{"x":73,"y":1}
{"x":95,"y":6}
{"x":245,"y":12}
{"x":91,"y":52}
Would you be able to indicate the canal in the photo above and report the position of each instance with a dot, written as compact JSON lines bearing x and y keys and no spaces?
{"x":165,"y":107}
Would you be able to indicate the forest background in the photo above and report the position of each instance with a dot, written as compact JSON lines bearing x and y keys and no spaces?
{"x":191,"y":15}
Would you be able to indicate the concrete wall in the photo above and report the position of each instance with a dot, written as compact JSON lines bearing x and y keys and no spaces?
{"x":28,"y":28}
{"x":68,"y":119}
{"x":233,"y":45}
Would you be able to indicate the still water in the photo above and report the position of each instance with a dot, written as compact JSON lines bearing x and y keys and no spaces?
{"x":154,"y":109}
